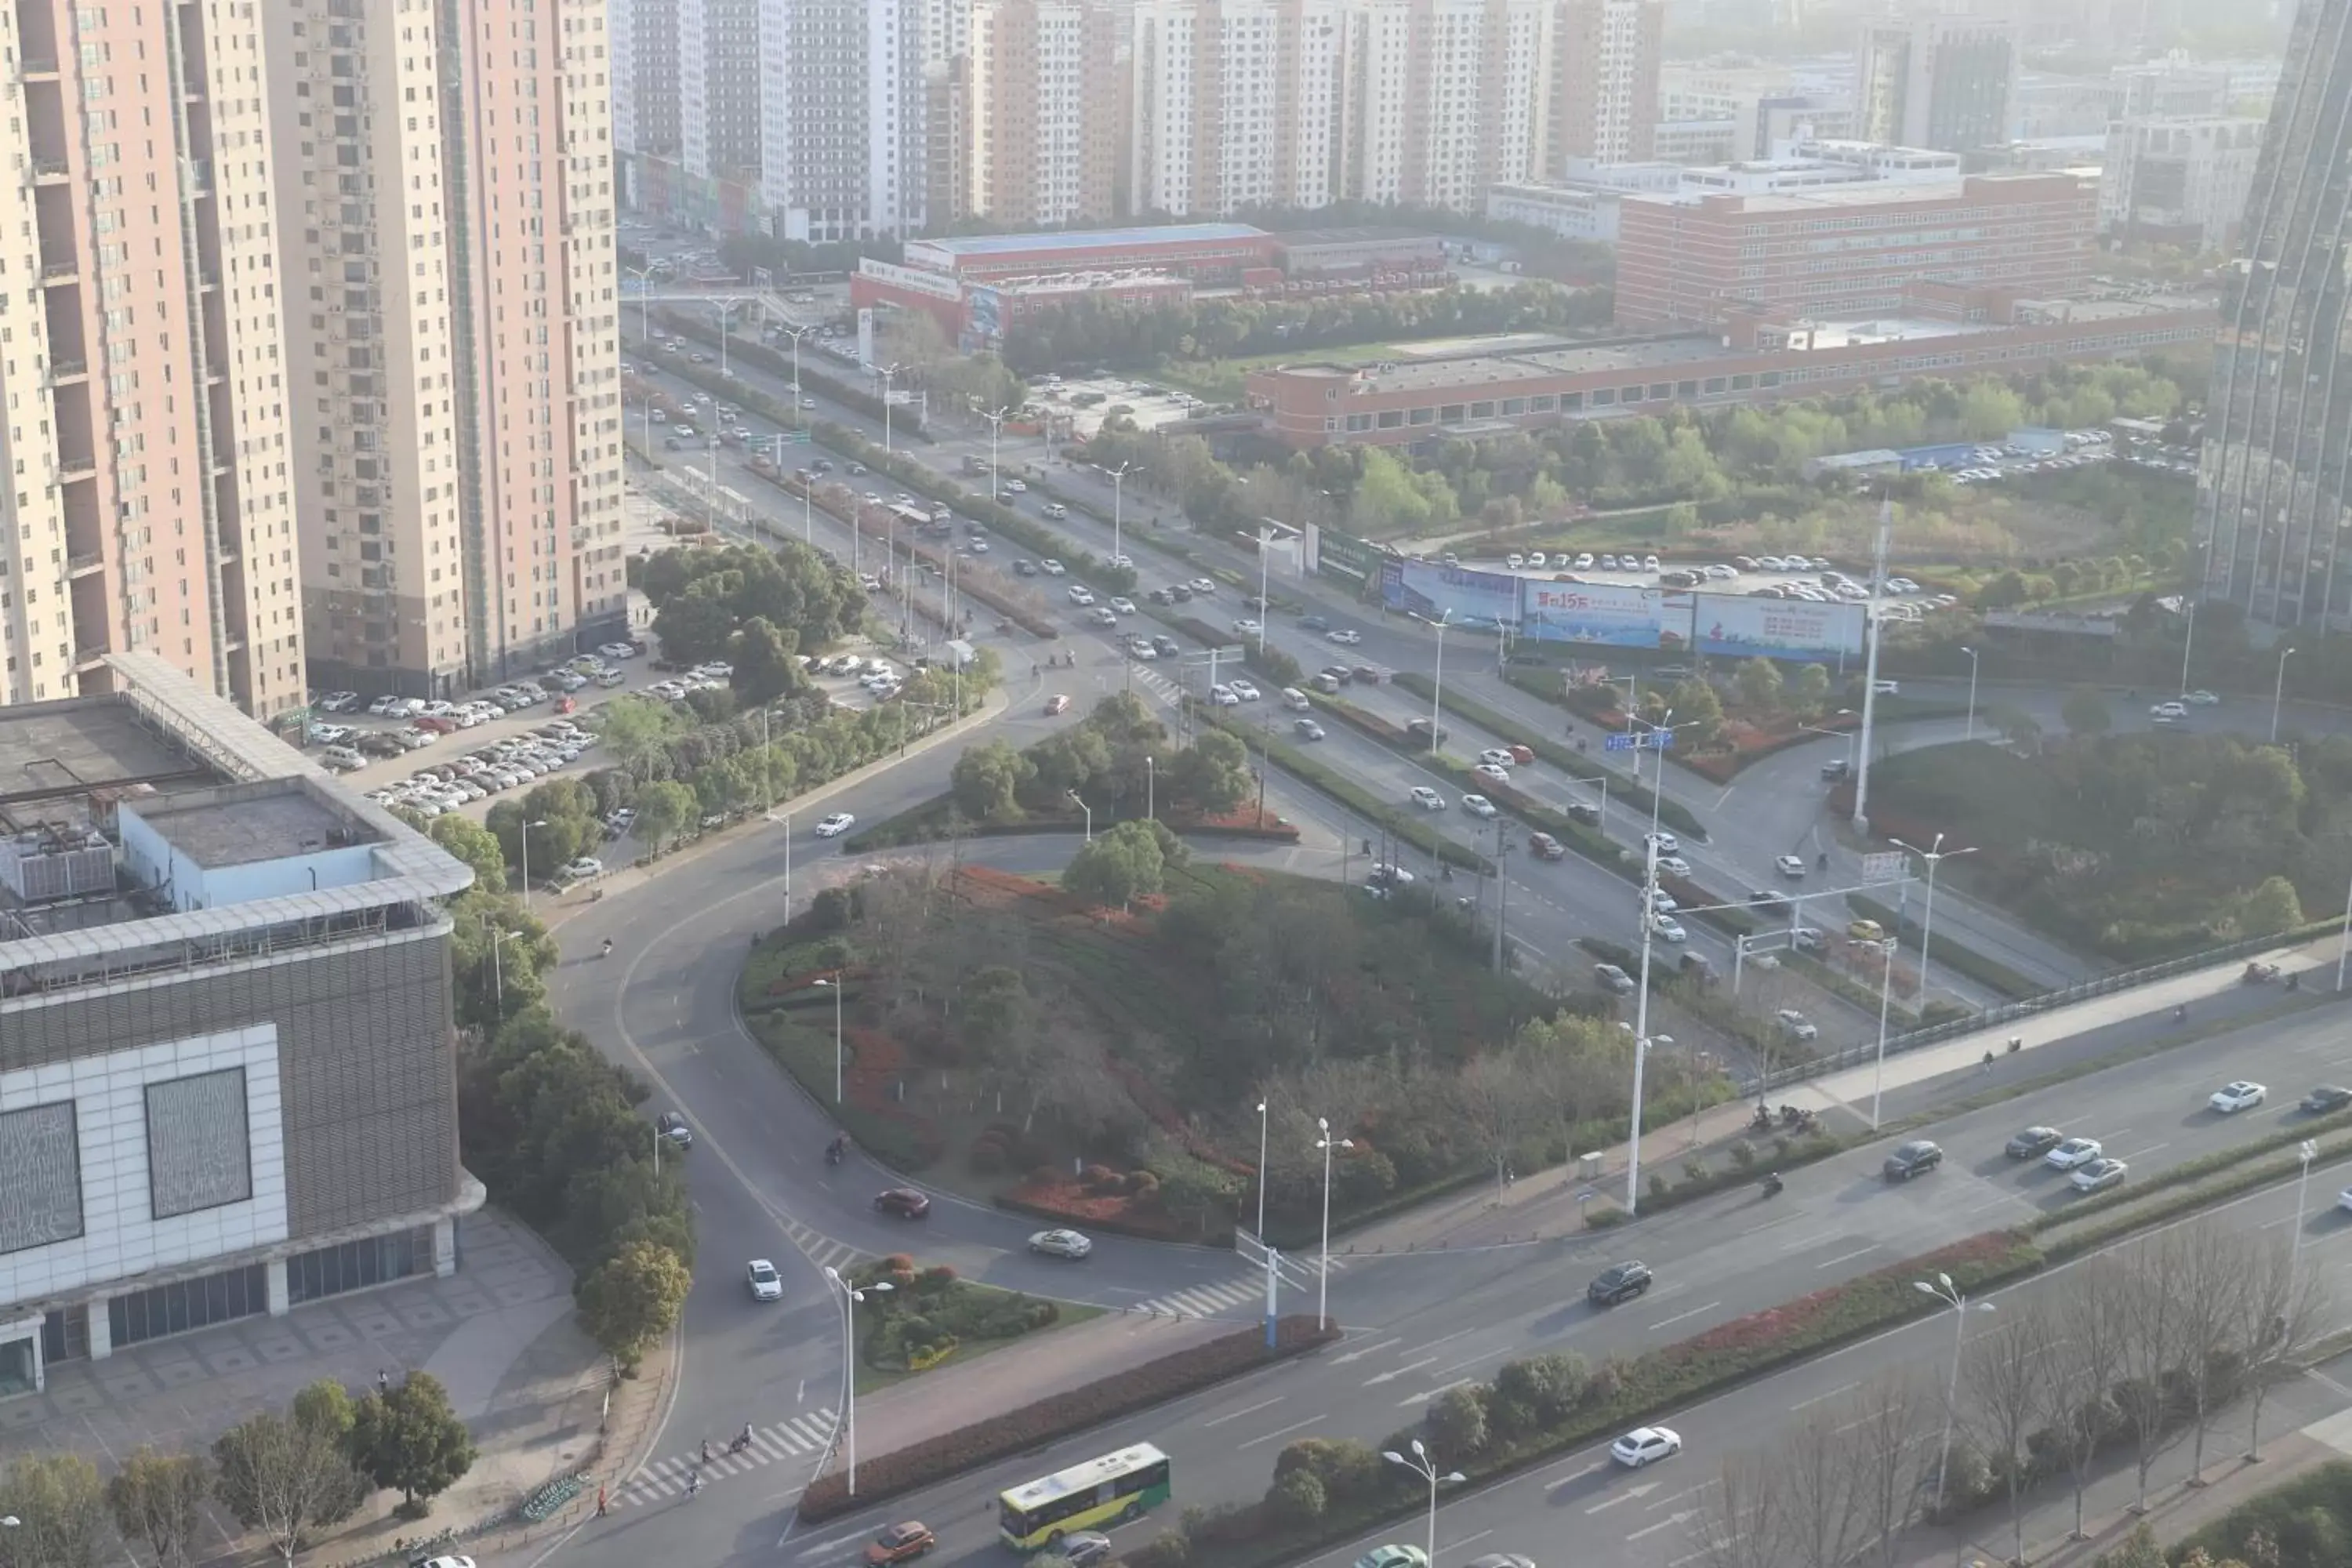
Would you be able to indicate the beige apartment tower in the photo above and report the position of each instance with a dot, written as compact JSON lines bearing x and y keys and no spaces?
{"x":1042,"y":114}
{"x":147,"y":504}
{"x":447,"y":181}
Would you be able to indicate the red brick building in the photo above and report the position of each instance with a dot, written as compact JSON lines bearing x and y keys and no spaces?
{"x":1851,"y":250}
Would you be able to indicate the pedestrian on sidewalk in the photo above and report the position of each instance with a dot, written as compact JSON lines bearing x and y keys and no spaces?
{"x":382,"y":1381}
{"x":601,"y":1500}
{"x":1988,"y":1063}
{"x":706,"y":1450}
{"x":693,"y":1482}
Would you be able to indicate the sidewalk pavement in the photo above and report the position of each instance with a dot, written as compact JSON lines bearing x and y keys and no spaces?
{"x":1545,"y":1205}
{"x":951,"y":1396}
{"x":554,"y":908}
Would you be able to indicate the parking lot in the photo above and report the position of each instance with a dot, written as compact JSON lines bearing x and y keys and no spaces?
{"x":1087,"y":401}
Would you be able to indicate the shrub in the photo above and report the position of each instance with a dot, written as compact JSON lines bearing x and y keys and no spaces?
{"x":935,"y":1280}
{"x":1137,"y":1388}
{"x":1547,"y":1386}
{"x":1296,"y":1500}
{"x":1457,"y":1419}
{"x":1659,"y":1185}
{"x":1743,"y":1155}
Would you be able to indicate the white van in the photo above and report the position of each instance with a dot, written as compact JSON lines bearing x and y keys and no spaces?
{"x":1296,"y":700}
{"x":342,"y":758}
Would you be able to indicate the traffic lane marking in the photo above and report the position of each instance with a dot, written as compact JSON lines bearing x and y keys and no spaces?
{"x":1283,"y":1432}
{"x":1678,"y":1317}
{"x":1252,"y":1410}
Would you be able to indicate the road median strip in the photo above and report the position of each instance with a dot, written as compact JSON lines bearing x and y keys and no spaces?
{"x":934,"y":1460}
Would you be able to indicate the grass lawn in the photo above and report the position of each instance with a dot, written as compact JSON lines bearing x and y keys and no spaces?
{"x":1221,"y":380}
{"x":871,"y":1379}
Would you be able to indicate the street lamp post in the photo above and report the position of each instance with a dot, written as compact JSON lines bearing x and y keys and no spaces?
{"x":1323,"y":1280}
{"x":834,"y":982}
{"x":1641,"y":1000}
{"x":2278,"y":692}
{"x":726,"y":308}
{"x":1437,"y":682}
{"x":1075,"y":799}
{"x":1421,"y":1465}
{"x":643,"y":275}
{"x":850,"y":1296}
{"x":2188,"y":639}
{"x":888,"y":374}
{"x":1935,"y":855}
{"x":1886,"y":984}
{"x":1261,"y":1168}
{"x":1265,"y":610}
{"x":1972,"y":691}
{"x":1118,"y":494}
{"x":1150,"y":786}
{"x":524,"y":837}
{"x":1945,"y":1291}
{"x":995,"y":433}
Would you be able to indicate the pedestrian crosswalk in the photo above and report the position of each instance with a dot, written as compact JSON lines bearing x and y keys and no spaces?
{"x":1241,"y":1298}
{"x":661,"y":1479}
{"x":818,"y":1247}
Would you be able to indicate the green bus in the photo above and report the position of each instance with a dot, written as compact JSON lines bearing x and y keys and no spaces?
{"x":1112,"y":1490}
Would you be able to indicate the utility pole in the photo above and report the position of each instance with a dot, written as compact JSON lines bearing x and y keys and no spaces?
{"x":1870,"y":665}
{"x":1502,"y":889}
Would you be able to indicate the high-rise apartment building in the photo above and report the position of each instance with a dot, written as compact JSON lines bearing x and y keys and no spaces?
{"x":1476,"y":94}
{"x":1236,"y":103}
{"x":1606,"y":102}
{"x":842,"y":102}
{"x":2179,"y":182}
{"x":1945,"y":81}
{"x":1853,"y":249}
{"x":447,"y":181}
{"x":2275,"y":493}
{"x":148,"y":506}
{"x":719,"y":87}
{"x":1042,"y":113}
{"x":645,"y":86}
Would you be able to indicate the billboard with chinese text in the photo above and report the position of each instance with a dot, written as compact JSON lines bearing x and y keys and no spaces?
{"x":1606,"y":615}
{"x":1454,"y":594}
{"x":1737,"y":627}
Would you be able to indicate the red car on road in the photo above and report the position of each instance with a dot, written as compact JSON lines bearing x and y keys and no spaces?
{"x":905,"y":1202}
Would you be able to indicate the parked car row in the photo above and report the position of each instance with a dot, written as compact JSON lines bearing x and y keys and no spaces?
{"x":502,"y":765}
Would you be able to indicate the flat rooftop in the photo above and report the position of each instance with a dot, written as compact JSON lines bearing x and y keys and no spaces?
{"x":1858,"y":193}
{"x":54,"y":756}
{"x":254,"y":827}
{"x":1361,"y":234}
{"x":979,"y":245}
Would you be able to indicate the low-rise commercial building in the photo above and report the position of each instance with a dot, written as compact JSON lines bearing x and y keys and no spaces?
{"x":1406,"y":402}
{"x":1209,"y":253}
{"x":227,"y":1070}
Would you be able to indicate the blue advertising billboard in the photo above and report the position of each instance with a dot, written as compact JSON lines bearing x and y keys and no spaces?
{"x":1606,"y":615}
{"x":1456,"y":593}
{"x":1742,"y":628}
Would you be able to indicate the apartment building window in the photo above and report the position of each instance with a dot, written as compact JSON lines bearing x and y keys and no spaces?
{"x":1450,"y":414}
{"x":1602,"y":397}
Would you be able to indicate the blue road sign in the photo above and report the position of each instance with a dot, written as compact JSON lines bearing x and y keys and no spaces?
{"x":1649,"y":740}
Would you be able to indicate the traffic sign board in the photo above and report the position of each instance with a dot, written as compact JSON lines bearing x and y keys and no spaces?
{"x":1648,"y":740}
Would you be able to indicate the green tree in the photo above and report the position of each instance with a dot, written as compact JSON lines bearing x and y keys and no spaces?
{"x":696,"y":625}
{"x":766,"y":662}
{"x":2269,"y":907}
{"x":637,"y":726}
{"x":408,"y":1438}
{"x":325,"y":1406}
{"x":1697,"y":710}
{"x":1120,"y":866}
{"x":1210,"y":775}
{"x":158,"y":1501}
{"x":1457,"y":1421}
{"x":1759,"y":686}
{"x":998,"y":1015}
{"x":485,"y":991}
{"x":1810,"y":693}
{"x":62,"y":1506}
{"x":663,"y":810}
{"x":284,"y":1478}
{"x":2085,"y":712}
{"x":1296,"y":1500}
{"x":988,"y":780}
{"x":474,"y":844}
{"x":634,"y":1298}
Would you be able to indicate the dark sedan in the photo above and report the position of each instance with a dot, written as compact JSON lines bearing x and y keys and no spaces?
{"x":2034,"y":1142}
{"x":1912,"y":1158}
{"x":2327,"y":1097}
{"x":905,"y":1202}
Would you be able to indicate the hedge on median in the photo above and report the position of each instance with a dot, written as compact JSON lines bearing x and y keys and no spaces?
{"x":1989,"y":973}
{"x":1620,"y":1394}
{"x":1051,"y":1419}
{"x":1346,"y":791}
{"x":779,"y":361}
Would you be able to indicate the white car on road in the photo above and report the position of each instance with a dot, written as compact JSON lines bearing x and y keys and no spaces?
{"x":1124,"y":606}
{"x":1645,"y":1444}
{"x":1665,"y":843}
{"x":1068,"y":1244}
{"x":1081,"y":594}
{"x":2239,"y":1096}
{"x":1673,"y":866}
{"x":1427,"y":798}
{"x":1495,"y":756}
{"x":766,"y":1284}
{"x":1790,"y":865}
{"x":1248,"y":628}
{"x":1225,"y":695}
{"x":1668,"y":929}
{"x":2073,"y":1153}
{"x":1246,"y":692}
{"x":833,"y":826}
{"x":1478,"y":805}
{"x":1489,"y":771}
{"x":1051,"y":567}
{"x":1344,"y":636}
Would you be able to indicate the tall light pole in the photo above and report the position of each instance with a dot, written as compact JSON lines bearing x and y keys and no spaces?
{"x":888,"y":374}
{"x":850,"y":1296}
{"x":995,"y":433}
{"x":1151,"y":793}
{"x":1421,"y":1465}
{"x":2278,"y":691}
{"x":1944,"y":1291}
{"x":1641,"y":1000}
{"x":726,"y":308}
{"x":1874,"y":631}
{"x":1323,"y":1281}
{"x":1972,"y":691}
{"x":524,"y":837}
{"x":1264,"y":609}
{"x":1261,"y":1168}
{"x":1117,"y":497}
{"x":643,"y":275}
{"x":1437,"y":680}
{"x":1886,"y":951}
{"x":834,"y":982}
{"x":2305,"y":1151}
{"x":1079,"y":801}
{"x":1935,"y":855}
{"x":2188,"y":639}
